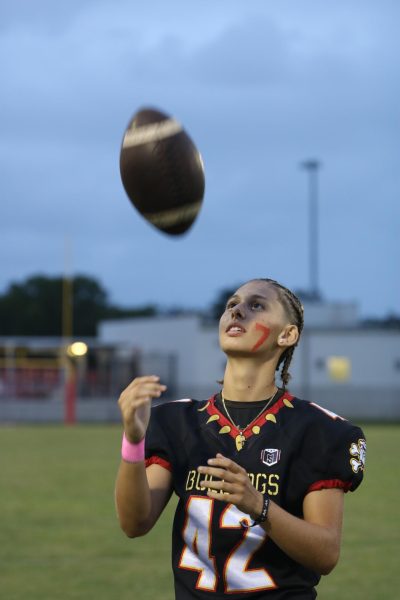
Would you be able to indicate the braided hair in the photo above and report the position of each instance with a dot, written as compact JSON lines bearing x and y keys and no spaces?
{"x":295,"y":312}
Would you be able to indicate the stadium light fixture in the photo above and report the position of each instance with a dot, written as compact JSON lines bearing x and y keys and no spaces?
{"x":77,"y":349}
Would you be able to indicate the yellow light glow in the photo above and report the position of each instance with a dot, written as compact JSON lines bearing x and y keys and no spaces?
{"x":339,"y":368}
{"x":77,"y":349}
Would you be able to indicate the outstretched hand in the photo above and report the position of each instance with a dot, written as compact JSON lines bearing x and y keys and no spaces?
{"x":231,"y":484}
{"x":135,"y":405}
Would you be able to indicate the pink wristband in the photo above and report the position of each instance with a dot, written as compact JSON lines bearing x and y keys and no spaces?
{"x":132,"y":453}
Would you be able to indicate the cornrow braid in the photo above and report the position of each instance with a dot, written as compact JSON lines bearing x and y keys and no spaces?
{"x":295,"y":312}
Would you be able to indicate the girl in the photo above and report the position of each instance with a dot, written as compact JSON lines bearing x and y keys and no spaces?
{"x":260,"y":474}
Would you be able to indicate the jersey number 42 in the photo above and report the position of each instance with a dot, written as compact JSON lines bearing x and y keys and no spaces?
{"x":197,"y":553}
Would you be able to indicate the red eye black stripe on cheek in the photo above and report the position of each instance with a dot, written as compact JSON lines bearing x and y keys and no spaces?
{"x":264,"y":335}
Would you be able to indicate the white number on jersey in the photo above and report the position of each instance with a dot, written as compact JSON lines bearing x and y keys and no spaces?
{"x":197,"y":555}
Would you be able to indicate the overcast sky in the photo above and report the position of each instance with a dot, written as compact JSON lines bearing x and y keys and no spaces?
{"x":260,"y":86}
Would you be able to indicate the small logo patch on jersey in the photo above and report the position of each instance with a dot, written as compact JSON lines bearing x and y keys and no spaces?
{"x":358,"y":452}
{"x":270,"y":456}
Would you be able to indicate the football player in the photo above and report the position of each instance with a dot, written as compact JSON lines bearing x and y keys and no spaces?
{"x":260,"y":474}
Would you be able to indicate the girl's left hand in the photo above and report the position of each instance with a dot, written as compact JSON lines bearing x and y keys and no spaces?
{"x":231,"y":484}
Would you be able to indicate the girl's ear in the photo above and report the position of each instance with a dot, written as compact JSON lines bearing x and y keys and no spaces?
{"x":288,"y":336}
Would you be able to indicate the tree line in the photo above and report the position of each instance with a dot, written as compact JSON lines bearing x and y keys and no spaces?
{"x":35,"y":307}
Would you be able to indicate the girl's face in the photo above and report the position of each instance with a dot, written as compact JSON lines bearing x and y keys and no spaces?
{"x":253,"y":322}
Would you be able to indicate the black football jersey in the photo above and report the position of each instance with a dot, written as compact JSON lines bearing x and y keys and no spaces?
{"x":291,"y":448}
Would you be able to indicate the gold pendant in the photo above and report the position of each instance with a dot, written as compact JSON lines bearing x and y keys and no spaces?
{"x":240,"y":440}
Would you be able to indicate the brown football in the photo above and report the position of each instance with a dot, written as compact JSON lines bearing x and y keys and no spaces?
{"x":162,"y":171}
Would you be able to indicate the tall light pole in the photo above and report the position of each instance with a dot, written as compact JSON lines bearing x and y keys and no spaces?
{"x":312,"y":166}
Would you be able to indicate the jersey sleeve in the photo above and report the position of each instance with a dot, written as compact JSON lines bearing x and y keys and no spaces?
{"x":335,"y":456}
{"x":157,"y":448}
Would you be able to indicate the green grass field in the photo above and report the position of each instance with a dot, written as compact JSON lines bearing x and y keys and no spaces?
{"x":59,"y":536}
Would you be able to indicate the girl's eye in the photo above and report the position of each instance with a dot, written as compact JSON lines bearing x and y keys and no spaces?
{"x":256,"y":305}
{"x":230,"y":305}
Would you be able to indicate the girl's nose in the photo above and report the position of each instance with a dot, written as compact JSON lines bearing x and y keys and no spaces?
{"x":238,"y":311}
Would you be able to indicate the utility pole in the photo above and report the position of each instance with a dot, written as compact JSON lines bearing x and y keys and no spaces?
{"x":67,"y":332}
{"x":312,"y":167}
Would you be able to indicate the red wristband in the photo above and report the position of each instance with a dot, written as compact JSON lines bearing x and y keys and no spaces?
{"x":132,"y":453}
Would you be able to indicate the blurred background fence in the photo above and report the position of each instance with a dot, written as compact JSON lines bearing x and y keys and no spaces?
{"x":37,"y":378}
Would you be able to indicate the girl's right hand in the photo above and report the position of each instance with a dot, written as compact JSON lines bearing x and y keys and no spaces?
{"x":135,"y":405}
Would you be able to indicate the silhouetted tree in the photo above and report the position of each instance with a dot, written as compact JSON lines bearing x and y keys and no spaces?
{"x":391,"y":321}
{"x":34,"y":307}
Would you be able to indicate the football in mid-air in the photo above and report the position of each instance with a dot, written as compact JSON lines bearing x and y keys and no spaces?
{"x":162,"y":171}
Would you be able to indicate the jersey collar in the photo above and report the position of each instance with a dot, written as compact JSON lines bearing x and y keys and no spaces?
{"x":254,"y":428}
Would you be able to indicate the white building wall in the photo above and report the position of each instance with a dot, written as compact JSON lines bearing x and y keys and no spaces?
{"x":372,"y":390}
{"x":176,"y":335}
{"x":372,"y":355}
{"x":332,"y":314}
